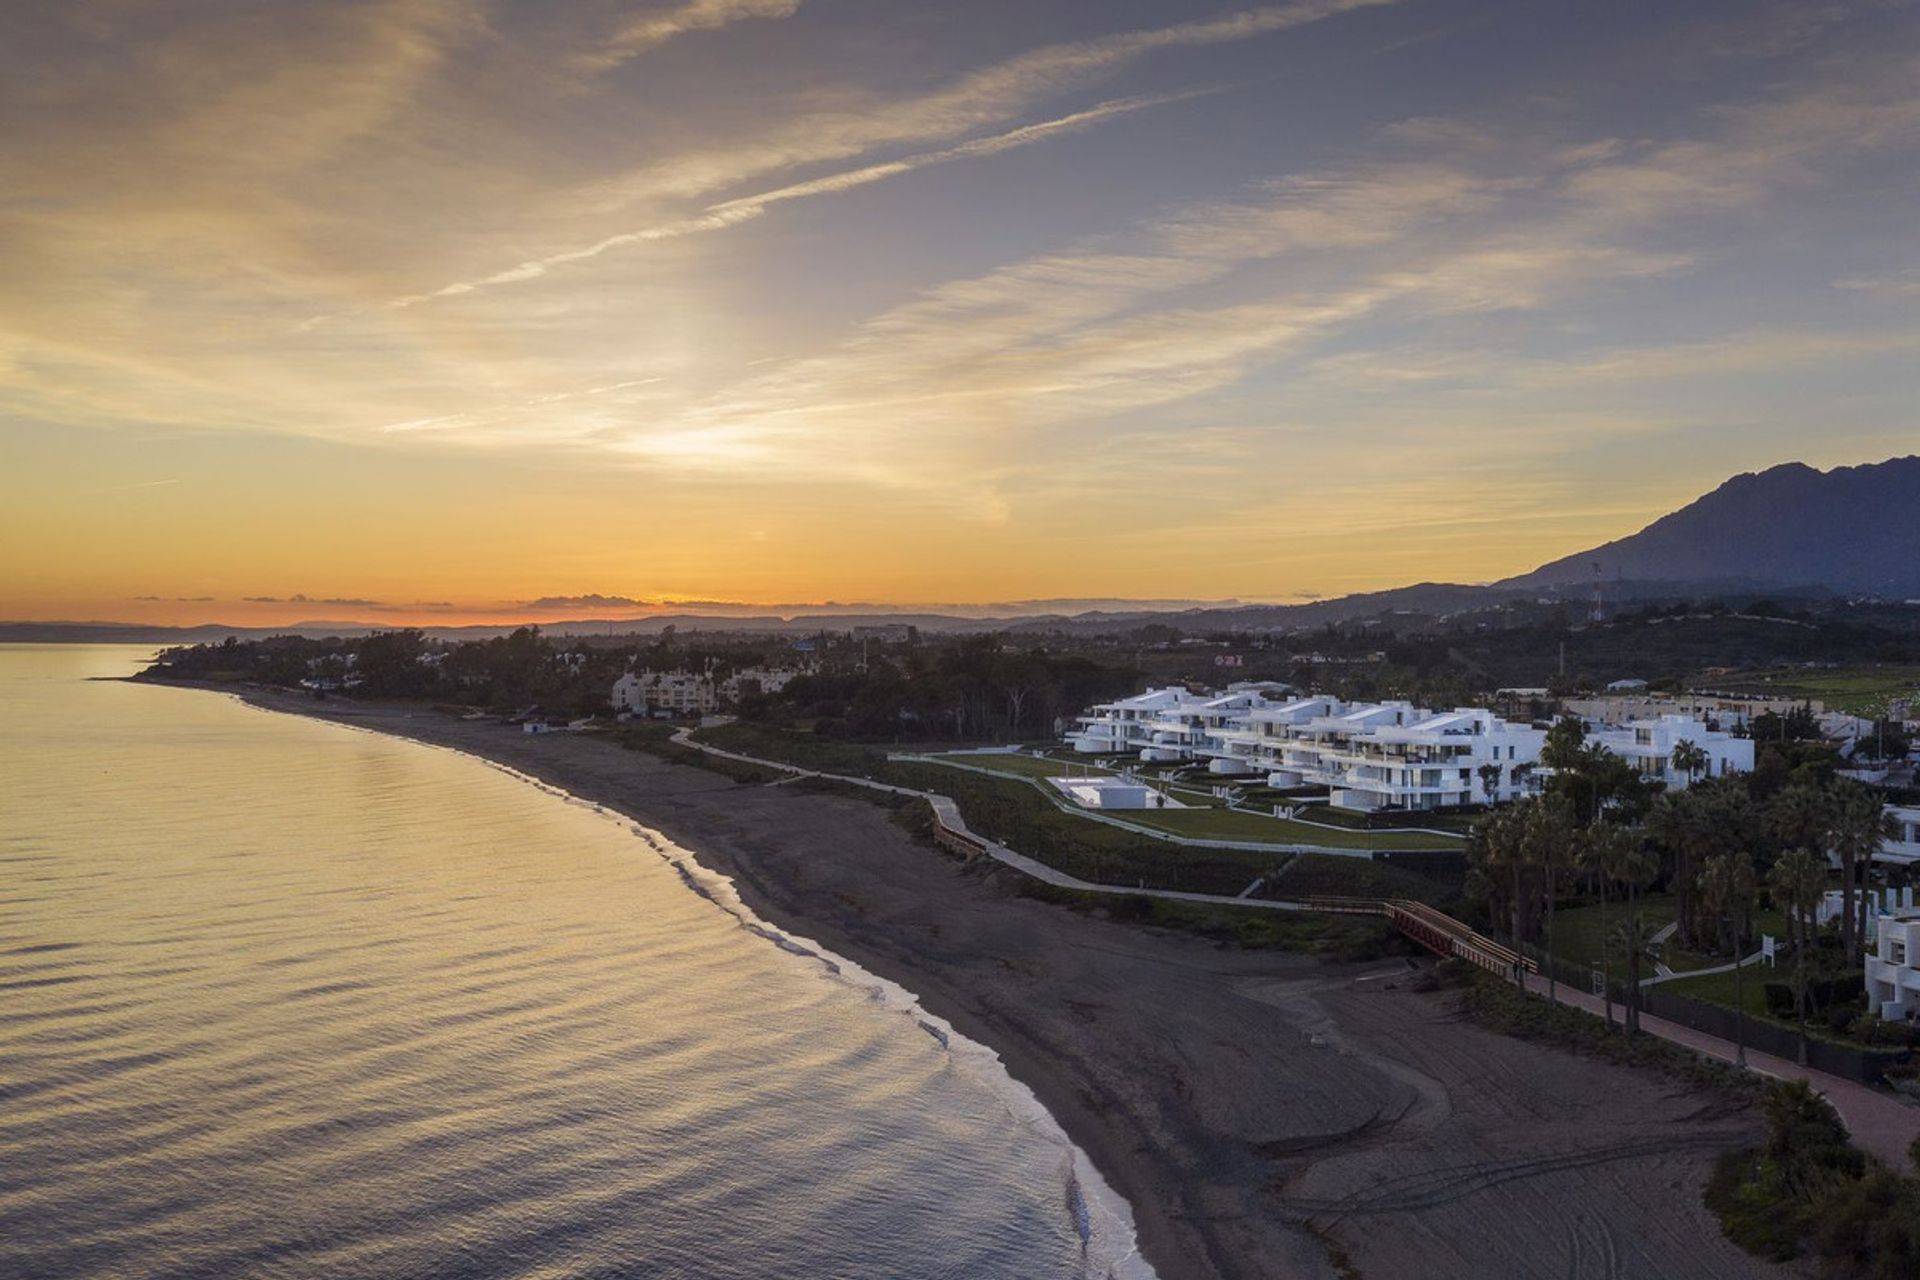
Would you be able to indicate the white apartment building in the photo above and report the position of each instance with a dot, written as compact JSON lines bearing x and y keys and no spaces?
{"x":680,"y":692}
{"x":1893,"y":967}
{"x":1648,"y":745}
{"x":1369,"y":756}
{"x":1169,"y":724}
{"x":1903,"y":846}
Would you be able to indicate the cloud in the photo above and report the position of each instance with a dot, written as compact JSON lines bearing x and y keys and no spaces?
{"x":591,"y":601}
{"x":654,"y":29}
{"x":300,"y":598}
{"x":986,"y":98}
{"x":1895,"y":283}
{"x":732,"y":213}
{"x":138,"y":484}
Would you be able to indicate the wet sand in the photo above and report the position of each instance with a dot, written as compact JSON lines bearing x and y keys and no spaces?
{"x":1265,"y":1114}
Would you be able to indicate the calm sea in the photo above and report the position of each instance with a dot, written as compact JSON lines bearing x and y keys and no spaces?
{"x":286,"y":999}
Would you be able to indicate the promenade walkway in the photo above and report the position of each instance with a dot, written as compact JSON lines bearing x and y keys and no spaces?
{"x":1879,"y":1123}
{"x":947,"y":814}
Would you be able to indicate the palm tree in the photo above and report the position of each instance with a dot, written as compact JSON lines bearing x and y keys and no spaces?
{"x":1630,"y":938}
{"x":1727,"y":887}
{"x":1547,"y":842}
{"x":1490,"y":780}
{"x":1859,"y":824}
{"x":1680,"y":824}
{"x":1612,"y":855}
{"x":1497,"y":856}
{"x":1798,"y":883}
{"x":1689,"y":757}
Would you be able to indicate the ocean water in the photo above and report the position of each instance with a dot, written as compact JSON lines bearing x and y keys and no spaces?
{"x":287,"y":999}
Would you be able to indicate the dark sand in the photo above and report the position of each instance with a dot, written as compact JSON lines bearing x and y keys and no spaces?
{"x":1265,"y":1114}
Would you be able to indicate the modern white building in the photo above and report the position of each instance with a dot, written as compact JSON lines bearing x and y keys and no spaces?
{"x":1903,"y":846}
{"x":1893,"y":968}
{"x":1368,"y":755}
{"x":1169,"y":724}
{"x":1648,"y":745}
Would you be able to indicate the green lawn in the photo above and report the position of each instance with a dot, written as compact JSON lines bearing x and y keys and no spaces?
{"x":1857,"y":690}
{"x":1577,"y":938}
{"x":1233,"y":824}
{"x":1013,"y":765}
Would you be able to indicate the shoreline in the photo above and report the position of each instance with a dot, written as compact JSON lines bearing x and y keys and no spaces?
{"x":1209,"y":1088}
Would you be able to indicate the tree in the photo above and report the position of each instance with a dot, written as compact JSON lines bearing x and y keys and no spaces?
{"x":1689,"y":758}
{"x":1547,"y":842}
{"x":1798,"y":883}
{"x":1612,"y":854}
{"x":1727,"y":888}
{"x":1490,"y":780}
{"x":1630,"y":937}
{"x":1680,"y":824}
{"x":1497,"y":866}
{"x":1859,"y":824}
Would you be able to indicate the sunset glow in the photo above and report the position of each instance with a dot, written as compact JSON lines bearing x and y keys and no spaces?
{"x":457,"y":311}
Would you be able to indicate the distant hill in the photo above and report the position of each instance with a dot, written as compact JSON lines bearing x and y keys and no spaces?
{"x":1790,"y":532}
{"x":1852,"y":529}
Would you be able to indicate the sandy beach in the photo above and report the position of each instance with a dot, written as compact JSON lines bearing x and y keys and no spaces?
{"x":1264,"y":1114}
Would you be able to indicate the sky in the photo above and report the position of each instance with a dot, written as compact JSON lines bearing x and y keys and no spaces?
{"x":455,"y":310}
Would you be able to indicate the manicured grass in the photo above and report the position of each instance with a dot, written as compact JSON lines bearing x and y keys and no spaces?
{"x":1235,"y":824}
{"x":1008,"y":763}
{"x":1577,"y":936}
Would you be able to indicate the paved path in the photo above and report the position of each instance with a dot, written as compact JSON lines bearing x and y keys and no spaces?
{"x":1673,"y":975}
{"x":1880,"y":1123}
{"x":947,"y":813}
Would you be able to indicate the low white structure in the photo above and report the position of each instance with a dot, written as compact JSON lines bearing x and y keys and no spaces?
{"x":1893,"y":970}
{"x":1903,"y":846}
{"x":1648,"y":745}
{"x":1112,"y":792}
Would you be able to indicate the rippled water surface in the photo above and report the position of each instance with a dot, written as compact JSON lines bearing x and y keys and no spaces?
{"x":281,"y":998}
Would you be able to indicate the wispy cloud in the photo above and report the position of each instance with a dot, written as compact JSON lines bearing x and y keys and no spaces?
{"x":138,"y":484}
{"x":1895,"y":283}
{"x":731,"y":213}
{"x":651,"y":30}
{"x":986,"y":98}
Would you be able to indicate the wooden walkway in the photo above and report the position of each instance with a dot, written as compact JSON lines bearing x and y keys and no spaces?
{"x":1435,"y":930}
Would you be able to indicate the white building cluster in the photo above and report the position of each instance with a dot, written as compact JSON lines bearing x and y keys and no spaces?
{"x":689,"y":693}
{"x":1375,"y":755}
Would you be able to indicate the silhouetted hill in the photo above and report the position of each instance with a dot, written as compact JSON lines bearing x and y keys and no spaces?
{"x":1852,"y":529}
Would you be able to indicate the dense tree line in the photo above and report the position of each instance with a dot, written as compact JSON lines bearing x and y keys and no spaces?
{"x":1721,"y":846}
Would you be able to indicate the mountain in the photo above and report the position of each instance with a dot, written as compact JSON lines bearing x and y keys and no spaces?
{"x":1851,"y":529}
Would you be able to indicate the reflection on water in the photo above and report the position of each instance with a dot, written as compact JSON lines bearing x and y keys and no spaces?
{"x":280,"y":998}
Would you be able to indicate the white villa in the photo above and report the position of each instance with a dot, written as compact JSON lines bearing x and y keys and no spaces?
{"x":1903,"y":846}
{"x":1648,"y":745}
{"x":1375,"y":755}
